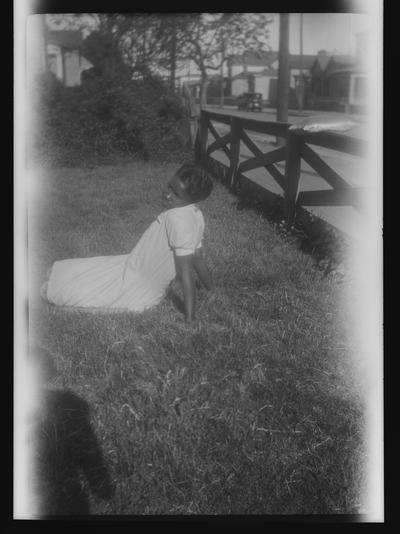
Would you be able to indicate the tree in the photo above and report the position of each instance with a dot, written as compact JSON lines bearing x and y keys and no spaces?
{"x":209,"y":39}
{"x":116,"y":42}
{"x":172,"y":39}
{"x":105,"y":54}
{"x":145,"y":42}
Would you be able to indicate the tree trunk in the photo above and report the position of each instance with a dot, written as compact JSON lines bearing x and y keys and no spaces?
{"x":191,"y":113}
{"x":203,"y":91}
{"x":221,"y":94}
{"x":222,"y":88}
{"x":173,"y":54}
{"x":284,"y":71}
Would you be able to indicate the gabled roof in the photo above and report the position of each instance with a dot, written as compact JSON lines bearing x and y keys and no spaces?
{"x":325,"y":63}
{"x":343,"y":60}
{"x":322,"y":60}
{"x":71,"y":39}
{"x":305,"y":61}
{"x":342,"y":64}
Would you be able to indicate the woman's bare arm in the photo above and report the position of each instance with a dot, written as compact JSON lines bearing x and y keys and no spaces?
{"x":202,"y":269}
{"x":184,"y":267}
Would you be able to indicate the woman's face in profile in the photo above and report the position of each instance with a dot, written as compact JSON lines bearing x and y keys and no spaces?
{"x":175,"y":195}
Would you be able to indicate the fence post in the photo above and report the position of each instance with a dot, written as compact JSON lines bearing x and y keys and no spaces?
{"x":235,"y":152}
{"x":294,"y":142}
{"x":201,"y":141}
{"x":193,"y":126}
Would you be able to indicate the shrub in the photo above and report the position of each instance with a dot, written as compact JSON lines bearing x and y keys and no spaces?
{"x":104,"y":117}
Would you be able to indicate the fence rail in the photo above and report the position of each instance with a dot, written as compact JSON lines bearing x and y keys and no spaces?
{"x":296,"y":148}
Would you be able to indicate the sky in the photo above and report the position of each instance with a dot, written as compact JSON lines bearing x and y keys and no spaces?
{"x":333,"y":32}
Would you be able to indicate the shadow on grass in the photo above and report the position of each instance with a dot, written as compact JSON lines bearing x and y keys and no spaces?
{"x":69,"y":461}
{"x":311,"y":235}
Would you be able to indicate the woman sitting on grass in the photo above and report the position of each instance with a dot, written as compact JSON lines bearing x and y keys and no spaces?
{"x":169,"y":248}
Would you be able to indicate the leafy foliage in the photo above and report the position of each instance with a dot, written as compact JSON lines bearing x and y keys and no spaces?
{"x":108,"y":116}
{"x":209,"y":38}
{"x":107,"y":58}
{"x":145,"y":42}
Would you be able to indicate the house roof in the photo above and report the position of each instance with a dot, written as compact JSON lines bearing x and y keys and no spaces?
{"x":71,"y":39}
{"x":321,"y":60}
{"x":305,"y":61}
{"x":268,"y":72}
{"x":265,"y":59}
{"x":338,"y":64}
{"x":254,"y":58}
{"x":240,"y":75}
{"x":326,"y":63}
{"x":265,"y":72}
{"x":344,"y":60}
{"x":341,"y":70}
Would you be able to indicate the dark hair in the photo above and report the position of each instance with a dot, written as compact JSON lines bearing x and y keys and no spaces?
{"x":198,"y":184}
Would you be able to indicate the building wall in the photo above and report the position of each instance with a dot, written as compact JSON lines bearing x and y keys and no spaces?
{"x":69,"y":69}
{"x":239,"y":86}
{"x":263,"y":86}
{"x":236,"y":69}
{"x":55,"y":61}
{"x":293,"y":74}
{"x":72,"y":68}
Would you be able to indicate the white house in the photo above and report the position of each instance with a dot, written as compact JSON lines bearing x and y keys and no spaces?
{"x":252,"y":72}
{"x":250,"y":61}
{"x":64,"y":58}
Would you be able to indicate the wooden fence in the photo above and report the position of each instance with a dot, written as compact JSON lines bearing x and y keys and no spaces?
{"x":295,"y":147}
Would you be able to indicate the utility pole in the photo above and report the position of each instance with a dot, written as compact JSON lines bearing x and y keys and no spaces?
{"x":222,"y":78}
{"x":301,"y":79}
{"x":283,"y":72}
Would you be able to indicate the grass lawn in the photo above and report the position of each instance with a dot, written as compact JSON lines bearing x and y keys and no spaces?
{"x":258,"y":410}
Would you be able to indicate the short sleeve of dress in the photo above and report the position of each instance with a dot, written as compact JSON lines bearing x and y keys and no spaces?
{"x":184,"y":232}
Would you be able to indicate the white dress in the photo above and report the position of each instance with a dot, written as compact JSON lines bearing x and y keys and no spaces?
{"x":134,"y":281}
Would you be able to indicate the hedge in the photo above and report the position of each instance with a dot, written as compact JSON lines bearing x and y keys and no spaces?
{"x":104,"y":118}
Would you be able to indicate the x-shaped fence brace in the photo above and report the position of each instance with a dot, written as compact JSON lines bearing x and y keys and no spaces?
{"x":295,"y":148}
